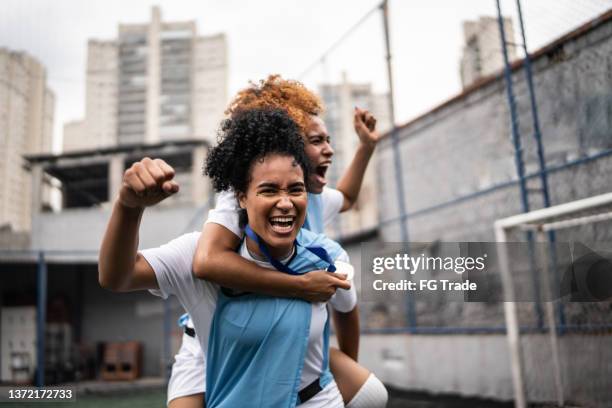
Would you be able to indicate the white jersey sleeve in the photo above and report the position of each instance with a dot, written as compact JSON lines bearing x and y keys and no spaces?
{"x":332,"y":204}
{"x":225,"y":212}
{"x":344,"y":300}
{"x":171,"y":263}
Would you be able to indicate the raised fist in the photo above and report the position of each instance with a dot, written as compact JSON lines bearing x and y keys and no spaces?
{"x":146,"y":183}
{"x":365,"y":126}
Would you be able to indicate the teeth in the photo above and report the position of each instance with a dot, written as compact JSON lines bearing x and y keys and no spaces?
{"x":281,"y":219}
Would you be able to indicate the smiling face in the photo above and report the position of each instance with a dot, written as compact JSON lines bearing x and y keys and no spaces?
{"x":319,"y":152}
{"x":275,"y":202}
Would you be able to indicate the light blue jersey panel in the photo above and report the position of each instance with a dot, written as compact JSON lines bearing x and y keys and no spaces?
{"x":258,"y":343}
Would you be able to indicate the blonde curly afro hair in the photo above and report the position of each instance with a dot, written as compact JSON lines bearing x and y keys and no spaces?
{"x":278,"y":93}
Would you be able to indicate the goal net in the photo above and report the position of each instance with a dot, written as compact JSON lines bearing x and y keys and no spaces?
{"x":560,"y":342}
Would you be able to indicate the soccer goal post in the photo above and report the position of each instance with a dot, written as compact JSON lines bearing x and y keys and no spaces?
{"x":572,"y":221}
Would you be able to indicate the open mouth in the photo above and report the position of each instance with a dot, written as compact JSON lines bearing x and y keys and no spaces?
{"x":282,"y":224}
{"x":320,"y":172}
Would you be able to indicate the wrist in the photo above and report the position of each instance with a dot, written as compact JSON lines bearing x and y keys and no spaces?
{"x":367,"y":147}
{"x":301,"y":284}
{"x":128,"y":210}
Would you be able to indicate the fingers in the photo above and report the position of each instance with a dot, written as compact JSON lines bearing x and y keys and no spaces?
{"x":166,"y":168}
{"x":133,"y":182}
{"x":370,"y":122}
{"x":364,"y":118}
{"x":150,"y":176}
{"x":170,"y":187}
{"x":358,"y":117}
{"x":340,"y":281}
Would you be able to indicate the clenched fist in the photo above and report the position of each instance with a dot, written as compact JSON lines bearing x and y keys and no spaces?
{"x":365,"y":126}
{"x":146,"y":183}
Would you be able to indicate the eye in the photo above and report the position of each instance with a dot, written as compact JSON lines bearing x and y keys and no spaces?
{"x":267,"y":192}
{"x":316,"y":140}
{"x":297,"y":191}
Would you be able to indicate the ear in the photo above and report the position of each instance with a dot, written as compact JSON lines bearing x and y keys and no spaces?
{"x":241,"y":197}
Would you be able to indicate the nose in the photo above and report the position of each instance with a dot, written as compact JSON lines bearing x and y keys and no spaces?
{"x":284,"y":203}
{"x":327,"y":149}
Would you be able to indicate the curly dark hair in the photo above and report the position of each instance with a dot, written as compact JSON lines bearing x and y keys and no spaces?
{"x":248,"y":136}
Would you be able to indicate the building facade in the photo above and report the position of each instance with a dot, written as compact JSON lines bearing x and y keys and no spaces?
{"x":482,"y":54}
{"x":156,"y":82}
{"x":26,"y":127}
{"x":70,"y":239}
{"x":340,"y":101}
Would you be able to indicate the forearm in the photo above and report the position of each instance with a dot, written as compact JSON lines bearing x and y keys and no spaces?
{"x":229,"y":269}
{"x":347,"y":332}
{"x":119,"y":247}
{"x":350,"y":182}
{"x":216,"y":260}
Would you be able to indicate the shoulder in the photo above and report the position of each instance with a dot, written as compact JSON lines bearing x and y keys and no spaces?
{"x":331,"y":194}
{"x":182,"y":246}
{"x":309,"y":238}
{"x":189,"y":240}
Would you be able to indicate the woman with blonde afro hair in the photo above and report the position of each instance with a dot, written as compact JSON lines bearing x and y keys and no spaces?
{"x":276,"y":92}
{"x":217,"y":261}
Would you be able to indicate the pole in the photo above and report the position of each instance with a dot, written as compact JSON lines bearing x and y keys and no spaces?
{"x":537,"y":133}
{"x":509,"y":305}
{"x":511,"y":318}
{"x":516,"y":137}
{"x":518,"y":155}
{"x":41,"y":319}
{"x":396,"y":154}
{"x":550,"y":320}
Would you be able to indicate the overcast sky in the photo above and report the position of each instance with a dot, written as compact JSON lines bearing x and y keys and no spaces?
{"x":287,"y":37}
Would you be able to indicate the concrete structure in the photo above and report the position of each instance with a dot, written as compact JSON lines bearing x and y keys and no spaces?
{"x":460,"y":177}
{"x":156,"y":82}
{"x":26,"y":123}
{"x":90,"y":182}
{"x":70,"y":240}
{"x":340,"y":101}
{"x":478,"y":365}
{"x":482,"y":52}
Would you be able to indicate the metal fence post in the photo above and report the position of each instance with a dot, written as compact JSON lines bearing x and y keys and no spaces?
{"x":41,"y":319}
{"x":412,"y":320}
{"x":537,"y":133}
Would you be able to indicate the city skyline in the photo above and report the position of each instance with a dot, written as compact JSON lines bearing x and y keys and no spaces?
{"x":426,"y":72}
{"x":155,"y":81}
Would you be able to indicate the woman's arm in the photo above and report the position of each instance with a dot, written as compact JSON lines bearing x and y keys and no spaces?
{"x":347,"y":331}
{"x":346,"y":317}
{"x":216,"y":260}
{"x":120,"y":267}
{"x":350,"y":182}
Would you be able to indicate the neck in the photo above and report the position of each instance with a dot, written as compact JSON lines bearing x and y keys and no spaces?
{"x":275,"y":252}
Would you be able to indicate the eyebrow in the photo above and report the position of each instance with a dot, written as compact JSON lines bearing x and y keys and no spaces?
{"x":275,"y":185}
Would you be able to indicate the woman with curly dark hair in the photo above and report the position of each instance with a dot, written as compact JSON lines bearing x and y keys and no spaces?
{"x":263,"y":351}
{"x":261,"y":158}
{"x":215,"y":260}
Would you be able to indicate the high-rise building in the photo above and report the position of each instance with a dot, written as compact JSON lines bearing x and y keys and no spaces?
{"x":340,"y":101}
{"x":26,"y":127}
{"x":156,"y":82}
{"x":482,"y":52}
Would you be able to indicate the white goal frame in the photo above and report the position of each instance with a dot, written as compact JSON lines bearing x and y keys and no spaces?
{"x":539,"y":221}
